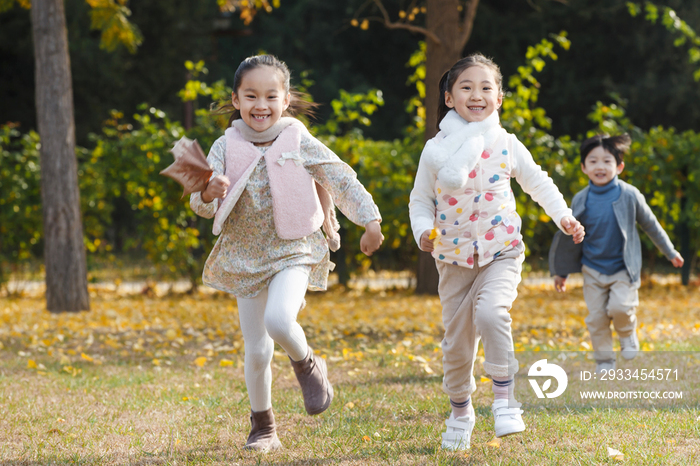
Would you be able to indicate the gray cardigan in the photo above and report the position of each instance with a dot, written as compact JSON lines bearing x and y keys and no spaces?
{"x":631,"y":208}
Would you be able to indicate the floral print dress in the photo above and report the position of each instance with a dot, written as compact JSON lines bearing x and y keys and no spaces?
{"x":248,"y":252}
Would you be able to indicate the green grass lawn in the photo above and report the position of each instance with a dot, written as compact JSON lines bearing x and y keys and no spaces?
{"x":141,"y":380}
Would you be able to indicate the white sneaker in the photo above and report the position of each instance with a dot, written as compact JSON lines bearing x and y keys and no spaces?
{"x":507,"y":420}
{"x":459,"y":431}
{"x":629,"y":345}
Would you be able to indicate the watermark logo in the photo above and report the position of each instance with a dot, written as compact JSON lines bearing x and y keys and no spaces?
{"x":542,"y":368}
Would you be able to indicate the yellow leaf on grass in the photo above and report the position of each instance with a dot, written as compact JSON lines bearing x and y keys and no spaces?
{"x":31,"y":364}
{"x":366,"y":438}
{"x":200,"y":361}
{"x":494,"y":442}
{"x":615,"y":454}
{"x":225,"y":363}
{"x":349,"y":405}
{"x":156,"y":362}
{"x":484,"y":379}
{"x":86,"y":357}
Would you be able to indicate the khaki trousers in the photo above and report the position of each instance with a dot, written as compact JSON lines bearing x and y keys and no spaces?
{"x":476,"y":304}
{"x":609,"y":298}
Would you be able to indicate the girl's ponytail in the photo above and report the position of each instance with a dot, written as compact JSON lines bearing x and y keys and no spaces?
{"x":442,"y":106}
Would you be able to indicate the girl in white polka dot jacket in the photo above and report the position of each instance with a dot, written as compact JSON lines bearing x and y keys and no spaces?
{"x":462,"y":210}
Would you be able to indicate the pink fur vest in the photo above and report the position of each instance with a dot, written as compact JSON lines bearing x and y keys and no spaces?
{"x":300,"y":206}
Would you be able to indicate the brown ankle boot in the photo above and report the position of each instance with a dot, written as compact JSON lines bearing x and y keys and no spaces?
{"x":312,"y":375}
{"x":263,"y":434}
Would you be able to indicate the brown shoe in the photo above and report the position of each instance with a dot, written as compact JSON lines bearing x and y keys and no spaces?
{"x":263,"y":434}
{"x":312,"y":375}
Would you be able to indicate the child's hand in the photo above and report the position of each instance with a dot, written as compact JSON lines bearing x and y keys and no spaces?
{"x":574,"y":228}
{"x":217,"y":188}
{"x":560,"y":284}
{"x":427,"y":243}
{"x":372,"y":238}
{"x":678,"y":261}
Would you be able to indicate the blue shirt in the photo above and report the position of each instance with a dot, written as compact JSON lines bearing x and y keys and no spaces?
{"x":603,"y":244}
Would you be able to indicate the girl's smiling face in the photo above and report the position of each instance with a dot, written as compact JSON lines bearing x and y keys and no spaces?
{"x":475,"y":94}
{"x":601,"y":166}
{"x":261,"y":98}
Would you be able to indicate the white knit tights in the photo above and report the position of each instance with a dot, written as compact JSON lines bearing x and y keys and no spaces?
{"x":271,"y":317}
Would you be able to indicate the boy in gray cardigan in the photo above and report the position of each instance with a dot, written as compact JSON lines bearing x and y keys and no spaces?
{"x":610,"y":257}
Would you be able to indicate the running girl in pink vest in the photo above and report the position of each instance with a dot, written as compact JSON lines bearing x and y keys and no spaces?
{"x":462,"y":210}
{"x":272,"y":190}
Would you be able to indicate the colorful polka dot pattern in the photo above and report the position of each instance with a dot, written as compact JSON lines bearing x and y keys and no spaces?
{"x":479,"y":218}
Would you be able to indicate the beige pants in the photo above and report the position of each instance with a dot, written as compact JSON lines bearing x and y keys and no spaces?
{"x":609,"y":297}
{"x":476,"y":304}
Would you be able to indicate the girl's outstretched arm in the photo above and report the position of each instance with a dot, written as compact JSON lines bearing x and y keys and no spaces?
{"x":341,"y":182}
{"x":372,"y":238}
{"x":537,"y":183}
{"x":217,"y":188}
{"x":421,"y":208}
{"x":205,"y":207}
{"x":574,"y":228}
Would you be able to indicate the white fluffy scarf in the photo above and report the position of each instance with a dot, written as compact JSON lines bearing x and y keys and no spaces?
{"x":456,"y":154}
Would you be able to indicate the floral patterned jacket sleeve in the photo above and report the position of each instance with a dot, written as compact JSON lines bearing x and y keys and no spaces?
{"x":340,"y":180}
{"x":216,"y":159}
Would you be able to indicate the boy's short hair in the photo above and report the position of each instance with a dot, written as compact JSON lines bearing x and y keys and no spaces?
{"x":616,"y":145}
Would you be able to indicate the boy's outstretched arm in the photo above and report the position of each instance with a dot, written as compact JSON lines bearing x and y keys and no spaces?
{"x":560,"y":283}
{"x":678,"y":261}
{"x":574,"y":228}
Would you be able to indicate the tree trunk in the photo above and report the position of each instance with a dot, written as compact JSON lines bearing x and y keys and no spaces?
{"x":684,"y":232}
{"x":442,"y":19}
{"x":64,"y":250}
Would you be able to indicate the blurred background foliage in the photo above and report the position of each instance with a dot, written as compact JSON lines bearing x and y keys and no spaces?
{"x":370,"y":84}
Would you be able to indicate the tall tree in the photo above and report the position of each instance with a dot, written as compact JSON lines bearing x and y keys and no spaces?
{"x":64,"y":251}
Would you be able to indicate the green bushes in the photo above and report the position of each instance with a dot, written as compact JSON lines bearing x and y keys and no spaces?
{"x":129,"y":209}
{"x":20,"y":201}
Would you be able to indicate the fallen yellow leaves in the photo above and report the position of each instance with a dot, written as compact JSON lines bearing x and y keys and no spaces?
{"x":615,"y":454}
{"x":347,"y":326}
{"x":494,"y":442}
{"x":74,"y":371}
